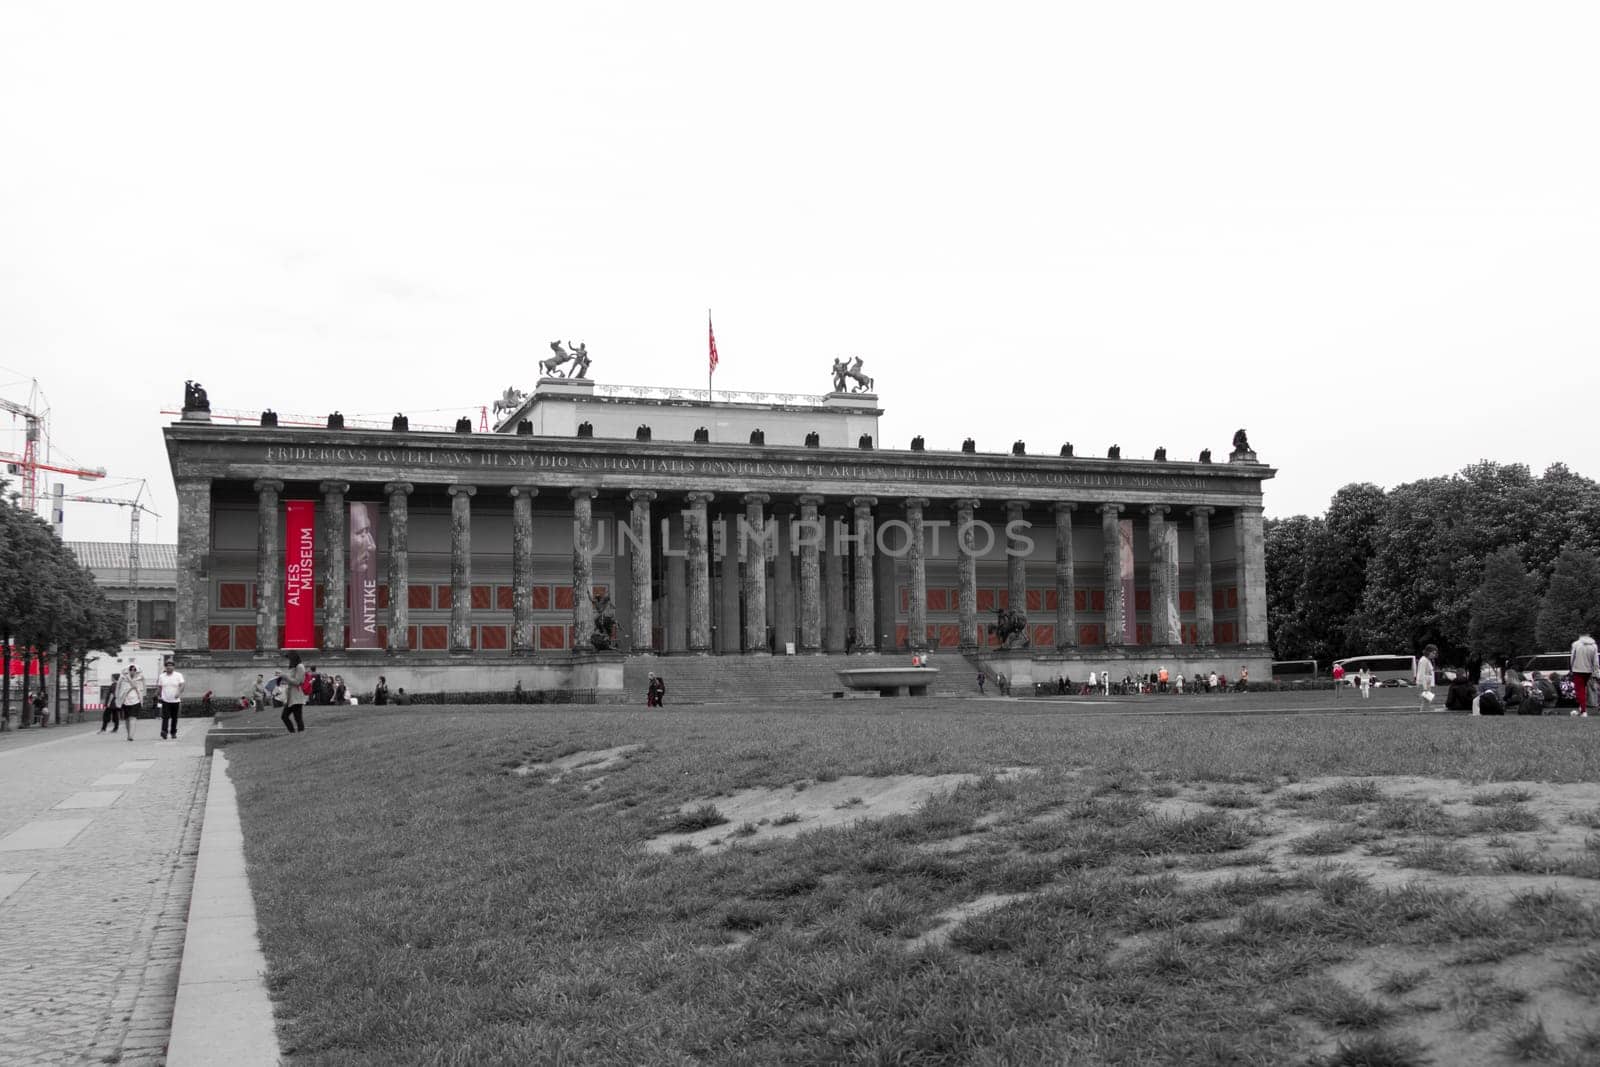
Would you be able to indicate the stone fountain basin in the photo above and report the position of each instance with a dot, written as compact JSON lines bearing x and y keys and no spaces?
{"x":890,"y":681}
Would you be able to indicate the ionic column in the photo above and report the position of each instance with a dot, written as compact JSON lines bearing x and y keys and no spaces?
{"x":833,"y":584}
{"x":269,"y":567}
{"x":1111,"y":535}
{"x":399,"y":564}
{"x":461,"y":567}
{"x":755,"y":571}
{"x":1066,"y":580}
{"x":639,"y":569}
{"x":812,"y":535}
{"x":677,"y":613}
{"x":1253,"y":576}
{"x":522,"y":567}
{"x":582,"y":566}
{"x":1160,"y":632}
{"x":1016,"y":562}
{"x":193,"y":609}
{"x":783,"y":609}
{"x":866,"y":624}
{"x":696,"y":544}
{"x":334,"y":578}
{"x":916,"y":554}
{"x":966,"y":575}
{"x":1203,"y":618}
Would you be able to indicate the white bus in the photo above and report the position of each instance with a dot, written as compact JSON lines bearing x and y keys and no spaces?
{"x":1385,"y":670}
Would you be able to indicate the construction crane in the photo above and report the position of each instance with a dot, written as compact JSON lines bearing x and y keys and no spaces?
{"x":136,"y":509}
{"x":28,"y":464}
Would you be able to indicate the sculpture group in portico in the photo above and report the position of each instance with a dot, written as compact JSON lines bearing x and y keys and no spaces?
{"x":576,"y":354}
{"x":1011,"y":627}
{"x":851,"y":371}
{"x":194,"y":397}
{"x":605,"y":623}
{"x":510,"y":400}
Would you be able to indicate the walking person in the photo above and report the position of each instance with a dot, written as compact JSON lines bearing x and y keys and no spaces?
{"x":380,"y":692}
{"x":1338,"y":679}
{"x":108,"y":717}
{"x":980,"y":683}
{"x":1585,"y":665}
{"x":170,"y":686}
{"x":1425,"y":677}
{"x":294,"y":695}
{"x":258,"y":694}
{"x":130,"y":697}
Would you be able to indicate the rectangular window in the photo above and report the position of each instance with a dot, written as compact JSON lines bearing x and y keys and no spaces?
{"x":419,"y":597}
{"x":482,"y":597}
{"x":553,"y":638}
{"x":541,"y":598}
{"x":493,"y":637}
{"x":233,"y":596}
{"x":503,"y":598}
{"x":217,"y":638}
{"x":435,"y":638}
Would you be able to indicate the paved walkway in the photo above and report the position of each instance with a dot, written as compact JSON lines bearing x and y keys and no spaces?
{"x":98,"y":837}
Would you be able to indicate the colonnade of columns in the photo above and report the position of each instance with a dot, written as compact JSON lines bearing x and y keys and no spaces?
{"x":811,"y":602}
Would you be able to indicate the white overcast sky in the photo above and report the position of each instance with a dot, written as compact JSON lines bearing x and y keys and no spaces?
{"x":1369,"y":232}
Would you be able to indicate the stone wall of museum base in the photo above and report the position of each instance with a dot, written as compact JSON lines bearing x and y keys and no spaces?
{"x":1024,"y":667}
{"x":582,"y":678}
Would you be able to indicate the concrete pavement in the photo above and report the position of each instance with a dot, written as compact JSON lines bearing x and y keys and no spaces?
{"x":98,"y":842}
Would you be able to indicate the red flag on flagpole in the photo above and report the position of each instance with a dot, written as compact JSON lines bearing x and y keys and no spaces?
{"x":712,"y":333}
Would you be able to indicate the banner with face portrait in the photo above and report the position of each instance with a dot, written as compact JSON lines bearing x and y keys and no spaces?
{"x":364,"y":576}
{"x":300,"y":574}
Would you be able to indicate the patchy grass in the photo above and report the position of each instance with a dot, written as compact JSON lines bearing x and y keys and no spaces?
{"x":425,"y":905}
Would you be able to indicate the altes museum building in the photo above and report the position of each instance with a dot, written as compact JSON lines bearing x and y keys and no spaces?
{"x":599,"y":528}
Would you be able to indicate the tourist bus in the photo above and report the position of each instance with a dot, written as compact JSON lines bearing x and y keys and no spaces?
{"x":1385,"y":670}
{"x":1290,"y":671}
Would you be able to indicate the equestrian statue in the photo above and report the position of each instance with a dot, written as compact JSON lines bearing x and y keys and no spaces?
{"x":510,"y":400}
{"x":578,"y":356}
{"x":843,"y":371}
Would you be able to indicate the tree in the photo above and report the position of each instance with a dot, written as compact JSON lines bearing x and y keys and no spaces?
{"x":1504,"y":607}
{"x":1571,"y":604}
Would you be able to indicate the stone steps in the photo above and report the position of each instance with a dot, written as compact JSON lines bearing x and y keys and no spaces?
{"x":705,"y":679}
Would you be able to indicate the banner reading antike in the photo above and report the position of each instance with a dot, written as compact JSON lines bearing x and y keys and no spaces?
{"x":363,"y":576}
{"x":299,"y":574}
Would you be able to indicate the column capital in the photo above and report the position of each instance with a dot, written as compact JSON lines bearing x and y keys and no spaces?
{"x":523,"y":490}
{"x":1200,"y":511}
{"x":1158,"y":509}
{"x":1065,"y":506}
{"x":335,"y":487}
{"x":268,"y":485}
{"x":699,"y":496}
{"x":403,"y":488}
{"x":757,"y":498}
{"x":1249,"y":509}
{"x":814,"y":499}
{"x":641,"y":496}
{"x":918,"y":502}
{"x":1109,"y":509}
{"x":460,"y":490}
{"x":583,"y":492}
{"x":859,"y":502}
{"x":1019,"y":505}
{"x":971,"y":503}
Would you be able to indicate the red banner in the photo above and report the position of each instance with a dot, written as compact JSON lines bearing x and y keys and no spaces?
{"x":363,"y":576}
{"x":300,"y":574}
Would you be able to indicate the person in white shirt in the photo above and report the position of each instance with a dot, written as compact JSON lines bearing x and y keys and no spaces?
{"x":1425,"y":677}
{"x":171,"y":685}
{"x":130,"y":696}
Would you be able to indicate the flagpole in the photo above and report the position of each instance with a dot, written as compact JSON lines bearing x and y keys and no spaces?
{"x":711,"y":368}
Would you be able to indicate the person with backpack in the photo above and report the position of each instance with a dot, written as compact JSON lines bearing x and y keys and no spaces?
{"x":296,"y":688}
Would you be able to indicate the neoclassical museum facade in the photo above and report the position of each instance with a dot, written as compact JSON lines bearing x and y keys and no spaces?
{"x":674,"y":524}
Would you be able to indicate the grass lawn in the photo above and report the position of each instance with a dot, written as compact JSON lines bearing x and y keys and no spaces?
{"x":748,"y":885}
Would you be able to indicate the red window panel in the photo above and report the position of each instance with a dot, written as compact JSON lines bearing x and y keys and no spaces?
{"x":218,"y":638}
{"x":494,"y":637}
{"x":435,"y":638}
{"x":601,"y":590}
{"x":1186,"y":600}
{"x":442,"y":597}
{"x":1225,"y":633}
{"x":482,"y":597}
{"x":1044,"y":635}
{"x":1080,"y":599}
{"x":1233,"y":596}
{"x":411,"y":637}
{"x":419,"y":596}
{"x":1141,"y":600}
{"x":949,"y":635}
{"x":938,"y":600}
{"x":540,"y":598}
{"x":233,"y":595}
{"x":1051,"y":600}
{"x":503,"y":598}
{"x":1097,"y":599}
{"x":553,"y":637}
{"x":902,"y":633}
{"x":905,"y":599}
{"x":321,"y":599}
{"x":1035,"y":599}
{"x":383,"y":636}
{"x":1089,"y":634}
{"x":986,"y":600}
{"x":1142,"y":633}
{"x":563,"y":598}
{"x":316,"y":636}
{"x":1219,"y":599}
{"x":244,"y":638}
{"x":383,"y":598}
{"x":1003,"y":598}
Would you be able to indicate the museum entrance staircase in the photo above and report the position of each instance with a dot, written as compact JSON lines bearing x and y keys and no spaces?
{"x":712,"y":679}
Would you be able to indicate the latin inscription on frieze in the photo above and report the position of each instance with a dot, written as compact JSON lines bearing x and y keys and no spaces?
{"x":288,"y":456}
